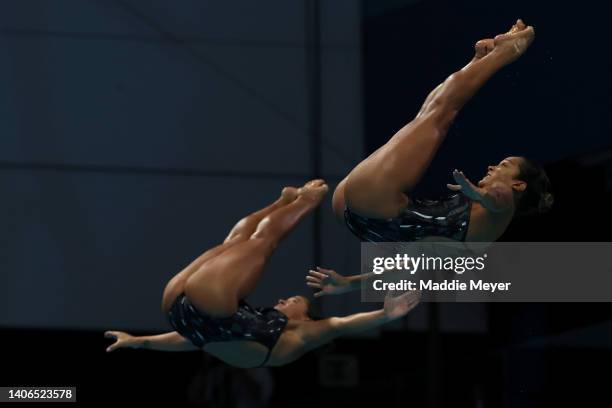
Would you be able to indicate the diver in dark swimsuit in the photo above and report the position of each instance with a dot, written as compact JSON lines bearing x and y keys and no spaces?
{"x":373,"y":202}
{"x":205,"y":301}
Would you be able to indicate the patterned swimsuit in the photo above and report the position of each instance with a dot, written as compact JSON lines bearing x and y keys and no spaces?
{"x":263,"y":325}
{"x":446,"y":217}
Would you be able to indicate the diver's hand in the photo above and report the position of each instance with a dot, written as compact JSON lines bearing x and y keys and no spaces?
{"x":465,"y":186}
{"x":396,"y":307}
{"x":328,"y":281}
{"x":122,"y":340}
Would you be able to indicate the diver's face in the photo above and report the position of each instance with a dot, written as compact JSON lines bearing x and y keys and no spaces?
{"x":295,"y":307}
{"x":506,"y":171}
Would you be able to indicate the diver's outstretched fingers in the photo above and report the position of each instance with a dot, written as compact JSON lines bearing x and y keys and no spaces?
{"x":122,"y":339}
{"x":313,"y":279}
{"x":318,"y":275}
{"x":330,"y":282}
{"x":396,"y":307}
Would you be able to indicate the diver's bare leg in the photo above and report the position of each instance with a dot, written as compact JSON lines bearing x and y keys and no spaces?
{"x":376,"y":187}
{"x":218,"y":285}
{"x":242,"y":231}
{"x":246,"y":226}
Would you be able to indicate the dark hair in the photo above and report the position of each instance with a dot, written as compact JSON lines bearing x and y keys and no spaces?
{"x":537,"y":198}
{"x":311,"y":312}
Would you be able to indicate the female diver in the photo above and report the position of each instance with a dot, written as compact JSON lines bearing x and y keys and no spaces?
{"x":372,"y":199}
{"x":205,"y":301}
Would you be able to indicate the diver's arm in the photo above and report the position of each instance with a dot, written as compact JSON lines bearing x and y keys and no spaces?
{"x":355,"y":281}
{"x":171,"y":341}
{"x":496,"y":198}
{"x":330,"y":282}
{"x":317,"y":333}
